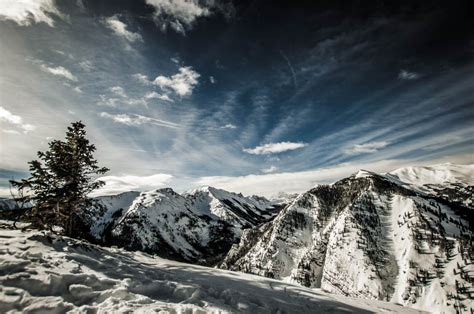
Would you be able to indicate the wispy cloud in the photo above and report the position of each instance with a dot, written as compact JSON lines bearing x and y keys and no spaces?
{"x":14,"y":120}
{"x":406,"y":75}
{"x":290,"y":66}
{"x":137,"y":120}
{"x":274,"y":148}
{"x":120,"y":29}
{"x":25,"y":13}
{"x":142,"y":78}
{"x":155,"y":95}
{"x":59,"y":71}
{"x":179,"y":15}
{"x":182,"y":83}
{"x":117,"y":90}
{"x":270,"y":169}
{"x":229,"y":126}
{"x":366,"y":148}
{"x":119,"y":184}
{"x":86,"y":65}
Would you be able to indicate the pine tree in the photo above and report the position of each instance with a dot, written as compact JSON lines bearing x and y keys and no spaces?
{"x":60,"y":181}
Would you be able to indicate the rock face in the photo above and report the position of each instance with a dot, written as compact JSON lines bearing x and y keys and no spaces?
{"x":371,"y":236}
{"x":199,"y":226}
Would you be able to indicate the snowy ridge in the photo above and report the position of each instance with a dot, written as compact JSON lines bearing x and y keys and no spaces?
{"x":199,"y":226}
{"x":113,"y":205}
{"x":242,"y":212}
{"x":443,"y":174}
{"x":284,"y":198}
{"x":368,"y":236}
{"x":44,"y":273}
{"x":449,"y":181}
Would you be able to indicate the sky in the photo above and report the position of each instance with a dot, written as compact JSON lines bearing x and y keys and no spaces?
{"x":251,"y":96}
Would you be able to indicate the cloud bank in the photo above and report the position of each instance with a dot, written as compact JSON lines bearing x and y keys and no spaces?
{"x":120,"y":184}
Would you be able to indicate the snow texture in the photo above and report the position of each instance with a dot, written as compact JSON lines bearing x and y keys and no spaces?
{"x":43,"y":273}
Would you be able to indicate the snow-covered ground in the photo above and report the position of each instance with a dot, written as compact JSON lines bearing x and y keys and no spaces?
{"x":40,"y":273}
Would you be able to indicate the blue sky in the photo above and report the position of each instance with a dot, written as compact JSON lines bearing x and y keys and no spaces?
{"x":250,"y":96}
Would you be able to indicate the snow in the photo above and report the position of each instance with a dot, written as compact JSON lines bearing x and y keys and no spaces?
{"x":40,"y":273}
{"x":370,"y":236}
{"x":112,"y":204}
{"x":443,"y":174}
{"x":233,"y":208}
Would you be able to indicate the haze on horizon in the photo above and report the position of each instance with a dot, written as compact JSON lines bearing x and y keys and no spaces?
{"x":251,"y":96}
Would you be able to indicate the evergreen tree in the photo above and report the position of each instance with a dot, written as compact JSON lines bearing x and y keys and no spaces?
{"x":60,"y":181}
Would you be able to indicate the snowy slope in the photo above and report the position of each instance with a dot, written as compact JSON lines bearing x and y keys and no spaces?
{"x":164,"y":222}
{"x":199,"y":226}
{"x":283,"y":198}
{"x":242,"y":212}
{"x":368,"y":236}
{"x":114,"y":206}
{"x":47,"y":274}
{"x":443,"y":174}
{"x":449,"y":181}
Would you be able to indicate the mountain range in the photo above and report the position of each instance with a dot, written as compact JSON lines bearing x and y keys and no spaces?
{"x":403,"y":237}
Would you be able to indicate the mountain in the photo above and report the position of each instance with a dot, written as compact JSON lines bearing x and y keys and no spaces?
{"x":239,"y":211}
{"x":454,"y":183}
{"x":7,"y":204}
{"x":199,"y":226}
{"x":283,"y":198}
{"x":396,"y":237}
{"x":46,"y":273}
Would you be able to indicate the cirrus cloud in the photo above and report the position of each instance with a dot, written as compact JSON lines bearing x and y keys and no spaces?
{"x":137,"y":120}
{"x":59,"y":71}
{"x":366,"y":148}
{"x":274,"y":148}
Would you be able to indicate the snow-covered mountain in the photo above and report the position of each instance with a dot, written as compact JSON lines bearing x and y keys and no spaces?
{"x":454,"y":183}
{"x":44,"y":273}
{"x":199,"y":226}
{"x":283,"y":197}
{"x":241,"y":212}
{"x":390,"y":237}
